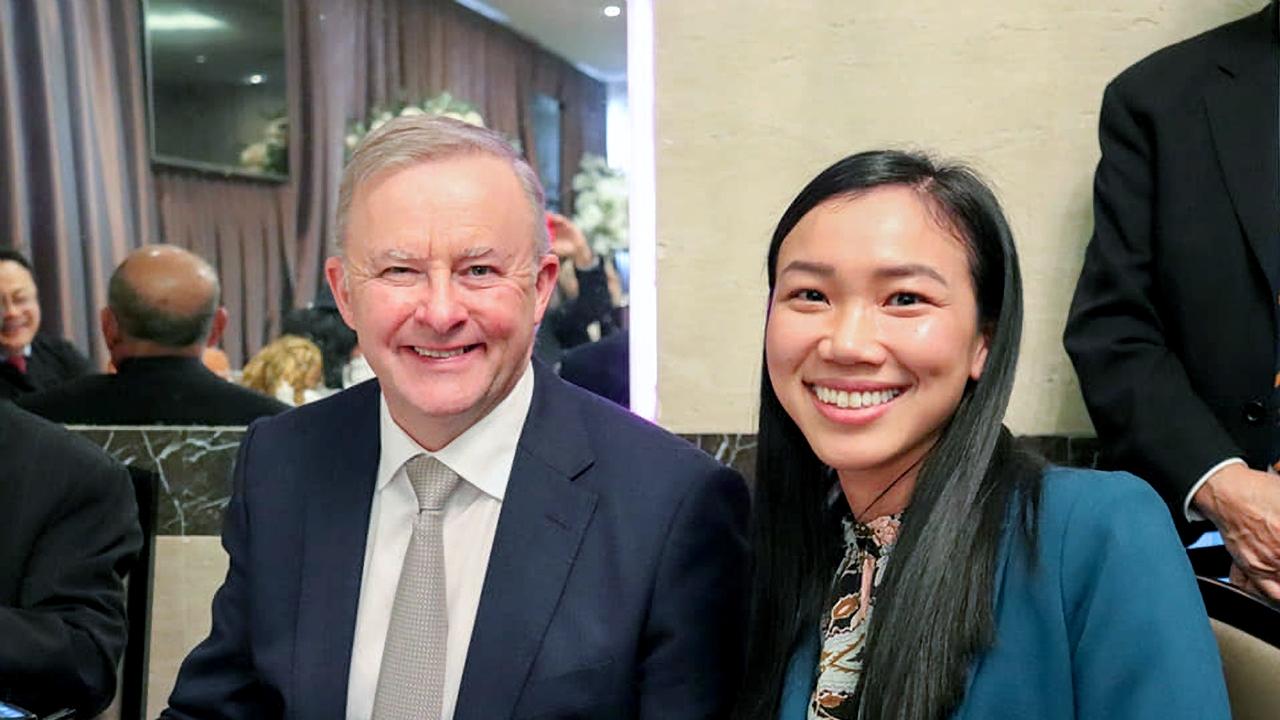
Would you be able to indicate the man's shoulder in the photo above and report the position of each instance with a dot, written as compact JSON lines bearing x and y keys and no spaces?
{"x":39,"y":444}
{"x":626,"y":443}
{"x":44,"y":343}
{"x":58,"y":356}
{"x":1186,"y":63}
{"x":61,"y":402}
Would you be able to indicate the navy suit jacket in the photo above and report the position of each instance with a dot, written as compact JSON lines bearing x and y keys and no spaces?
{"x":615,"y":588}
{"x":1104,"y":621}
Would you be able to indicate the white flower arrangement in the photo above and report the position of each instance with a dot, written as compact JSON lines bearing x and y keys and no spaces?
{"x":271,"y":153}
{"x":444,"y":105}
{"x":600,"y":205}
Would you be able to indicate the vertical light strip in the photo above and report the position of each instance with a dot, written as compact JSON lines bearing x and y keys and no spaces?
{"x":643,"y":220}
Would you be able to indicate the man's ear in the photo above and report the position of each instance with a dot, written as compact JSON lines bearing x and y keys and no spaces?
{"x":110,"y":327}
{"x":545,"y":283}
{"x":217,"y":327}
{"x":335,"y":271}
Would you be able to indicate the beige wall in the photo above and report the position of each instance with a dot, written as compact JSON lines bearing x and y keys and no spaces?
{"x":188,"y":572}
{"x":755,"y":97}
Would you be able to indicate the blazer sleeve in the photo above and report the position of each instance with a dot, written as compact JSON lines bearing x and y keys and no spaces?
{"x":217,"y":680}
{"x":694,"y":647}
{"x":1141,"y":401}
{"x":1141,"y":645}
{"x":60,"y":644}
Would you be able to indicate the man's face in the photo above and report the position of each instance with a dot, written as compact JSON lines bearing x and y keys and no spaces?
{"x":19,"y":307}
{"x":442,"y":285}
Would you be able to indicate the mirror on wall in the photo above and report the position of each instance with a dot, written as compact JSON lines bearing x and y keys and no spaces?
{"x":585,"y":333}
{"x":216,"y":85}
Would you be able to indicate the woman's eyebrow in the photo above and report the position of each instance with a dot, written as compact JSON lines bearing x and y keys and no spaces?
{"x":911,"y":270}
{"x":810,"y":267}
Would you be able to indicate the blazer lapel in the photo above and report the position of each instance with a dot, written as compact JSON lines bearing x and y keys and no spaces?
{"x":544,"y":517}
{"x":1010,"y":535}
{"x":1244,"y":118}
{"x":336,"y":524}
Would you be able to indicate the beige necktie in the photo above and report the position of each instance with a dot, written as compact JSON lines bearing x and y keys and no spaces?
{"x":411,"y":680}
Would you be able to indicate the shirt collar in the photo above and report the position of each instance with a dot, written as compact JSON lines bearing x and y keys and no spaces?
{"x":26,"y":352}
{"x":482,"y":455}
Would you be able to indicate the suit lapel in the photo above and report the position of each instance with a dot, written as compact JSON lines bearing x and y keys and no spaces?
{"x":1244,"y":118}
{"x":337,"y":495}
{"x":544,"y":517}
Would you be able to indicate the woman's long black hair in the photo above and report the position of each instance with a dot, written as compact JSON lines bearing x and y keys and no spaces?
{"x":933,"y":611}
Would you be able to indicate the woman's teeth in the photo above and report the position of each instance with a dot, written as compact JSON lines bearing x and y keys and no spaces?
{"x":846,"y":399}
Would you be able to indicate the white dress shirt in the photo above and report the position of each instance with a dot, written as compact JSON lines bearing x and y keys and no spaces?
{"x":482,"y":456}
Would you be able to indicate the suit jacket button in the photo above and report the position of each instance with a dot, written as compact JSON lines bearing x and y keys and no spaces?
{"x":1254,"y":412}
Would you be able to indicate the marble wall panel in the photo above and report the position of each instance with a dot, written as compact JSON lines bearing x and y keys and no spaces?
{"x":194,"y":468}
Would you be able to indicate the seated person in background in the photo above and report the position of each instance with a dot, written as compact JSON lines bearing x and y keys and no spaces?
{"x":289,"y":369}
{"x":68,"y":535}
{"x":322,"y":324}
{"x":602,"y":367}
{"x":581,"y":298}
{"x":162,"y":312}
{"x":29,"y":361}
{"x":912,"y":563}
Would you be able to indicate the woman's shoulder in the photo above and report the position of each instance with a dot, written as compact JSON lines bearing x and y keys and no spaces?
{"x":1102,"y":506}
{"x":1065,"y":488}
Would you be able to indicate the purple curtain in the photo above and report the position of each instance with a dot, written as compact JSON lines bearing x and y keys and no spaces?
{"x":75,"y":188}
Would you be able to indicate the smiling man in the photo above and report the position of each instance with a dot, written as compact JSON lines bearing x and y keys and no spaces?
{"x":467,"y":536}
{"x":29,"y":361}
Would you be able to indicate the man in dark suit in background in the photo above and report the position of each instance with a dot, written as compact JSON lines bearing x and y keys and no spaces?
{"x":603,"y":367}
{"x":162,"y":312}
{"x":29,"y":361}
{"x":1173,"y":329}
{"x":468,"y":536}
{"x":68,"y":535}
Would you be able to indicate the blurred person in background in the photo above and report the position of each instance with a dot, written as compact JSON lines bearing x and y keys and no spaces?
{"x":29,"y":360}
{"x":322,"y":324}
{"x":162,"y":312}
{"x":289,"y":369}
{"x":581,"y":308}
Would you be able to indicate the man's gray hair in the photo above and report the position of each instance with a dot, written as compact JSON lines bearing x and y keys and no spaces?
{"x":406,"y":141}
{"x":140,"y":320}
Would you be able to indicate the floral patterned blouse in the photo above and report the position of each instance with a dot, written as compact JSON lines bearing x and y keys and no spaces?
{"x":844,"y":628}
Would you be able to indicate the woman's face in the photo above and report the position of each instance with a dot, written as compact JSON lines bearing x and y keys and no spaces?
{"x":873,"y":330}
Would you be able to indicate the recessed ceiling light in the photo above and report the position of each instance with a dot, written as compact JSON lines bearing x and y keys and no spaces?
{"x":255,"y":79}
{"x":612,"y":11}
{"x":200,"y":59}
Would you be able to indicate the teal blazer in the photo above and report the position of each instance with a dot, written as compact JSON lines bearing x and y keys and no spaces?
{"x":1109,"y":624}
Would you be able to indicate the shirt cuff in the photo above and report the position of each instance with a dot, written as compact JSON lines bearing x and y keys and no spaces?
{"x":1191,"y":513}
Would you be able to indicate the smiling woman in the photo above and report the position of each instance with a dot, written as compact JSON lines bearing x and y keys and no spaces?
{"x":911,"y":562}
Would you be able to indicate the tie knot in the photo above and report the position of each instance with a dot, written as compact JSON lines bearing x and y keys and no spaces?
{"x":432,"y":481}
